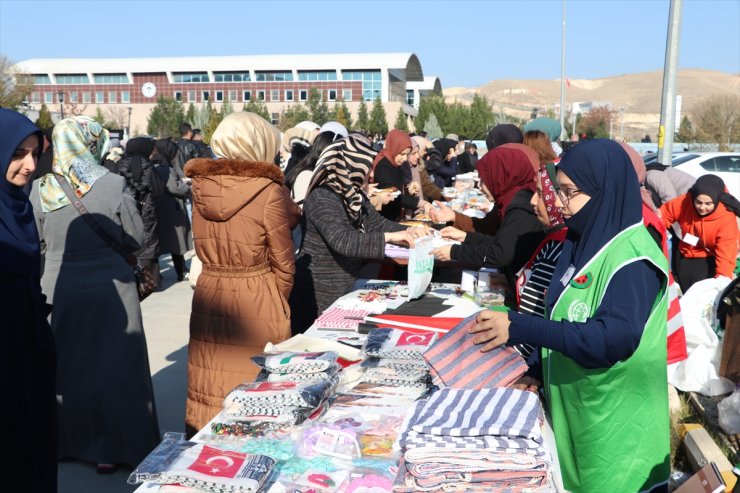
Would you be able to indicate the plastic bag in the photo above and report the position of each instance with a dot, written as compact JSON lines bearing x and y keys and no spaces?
{"x":421,"y":265}
{"x":729,"y":413}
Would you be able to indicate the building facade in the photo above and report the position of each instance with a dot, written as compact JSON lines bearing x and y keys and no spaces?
{"x":127,"y":89}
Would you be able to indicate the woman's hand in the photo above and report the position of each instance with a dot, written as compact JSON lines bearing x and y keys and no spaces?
{"x":413,"y":188}
{"x":454,"y":234}
{"x":420,"y":232}
{"x":405,"y":237}
{"x":493,"y":329}
{"x":442,"y":214}
{"x":443,"y":253}
{"x":527,"y":383}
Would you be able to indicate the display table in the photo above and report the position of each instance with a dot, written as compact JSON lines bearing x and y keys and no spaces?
{"x":459,"y":306}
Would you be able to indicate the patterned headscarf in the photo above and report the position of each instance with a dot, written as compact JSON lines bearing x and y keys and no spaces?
{"x":297,"y":135}
{"x":546,"y":175}
{"x":343,"y":167}
{"x":80,"y":143}
{"x":246,"y":136}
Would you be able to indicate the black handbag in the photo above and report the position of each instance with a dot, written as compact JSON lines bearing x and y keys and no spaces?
{"x":145,"y":283}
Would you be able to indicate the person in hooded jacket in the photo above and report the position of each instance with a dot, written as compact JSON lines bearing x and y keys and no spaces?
{"x":508,"y":173}
{"x":27,"y":357}
{"x":175,"y":237}
{"x":146,"y":188}
{"x":241,"y":226}
{"x":709,"y":232}
{"x":444,"y":174}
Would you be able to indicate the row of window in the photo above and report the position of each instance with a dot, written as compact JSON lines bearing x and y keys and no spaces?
{"x":261,"y":95}
{"x":82,"y":79}
{"x":74,"y":97}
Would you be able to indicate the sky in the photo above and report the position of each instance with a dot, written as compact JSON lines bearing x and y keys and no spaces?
{"x":465,"y":43}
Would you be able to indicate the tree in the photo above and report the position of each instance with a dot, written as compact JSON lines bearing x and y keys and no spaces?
{"x":595,"y":123}
{"x":116,"y":118}
{"x":202,"y":115}
{"x":378,"y":123}
{"x":44,"y":121}
{"x":259,"y":107}
{"x":363,"y":120}
{"x":190,"y":115}
{"x":294,"y":115}
{"x":226,"y":108}
{"x":99,"y":117}
{"x":718,"y":120}
{"x":401,"y":121}
{"x":214,"y":119}
{"x":428,"y":105}
{"x":457,"y":120}
{"x":342,"y":114}
{"x":480,"y":118}
{"x":165,"y":118}
{"x":432,"y":128}
{"x":15,"y":86}
{"x":318,"y":108}
{"x":685,"y":132}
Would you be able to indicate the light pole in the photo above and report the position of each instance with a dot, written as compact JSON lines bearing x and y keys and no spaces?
{"x":60,"y":94}
{"x":621,"y":123}
{"x":128,"y":127}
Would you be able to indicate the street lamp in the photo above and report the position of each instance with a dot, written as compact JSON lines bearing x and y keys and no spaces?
{"x":60,"y":94}
{"x":128,"y":127}
{"x":621,"y":121}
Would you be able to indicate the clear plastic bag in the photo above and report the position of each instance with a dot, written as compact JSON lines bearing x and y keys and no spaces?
{"x":729,"y":413}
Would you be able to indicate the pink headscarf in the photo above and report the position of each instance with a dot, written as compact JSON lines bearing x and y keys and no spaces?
{"x":395,"y":142}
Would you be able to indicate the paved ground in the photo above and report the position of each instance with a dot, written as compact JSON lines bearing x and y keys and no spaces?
{"x":166,"y":317}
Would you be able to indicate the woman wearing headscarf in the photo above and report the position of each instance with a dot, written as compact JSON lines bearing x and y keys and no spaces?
{"x":295,"y":144}
{"x":444,"y":171}
{"x":343,"y":230}
{"x":504,"y":133}
{"x":388,"y":172}
{"x":508,"y":174}
{"x":27,"y":356}
{"x":106,"y":411}
{"x":604,"y":347}
{"x":241,"y":227}
{"x":429,"y":190}
{"x":138,"y":170}
{"x":173,"y":222}
{"x":709,"y":233}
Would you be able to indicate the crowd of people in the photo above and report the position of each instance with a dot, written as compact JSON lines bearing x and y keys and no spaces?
{"x":283,"y":223}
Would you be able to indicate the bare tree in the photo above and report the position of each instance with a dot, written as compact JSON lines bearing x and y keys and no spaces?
{"x":117,"y":117}
{"x":15,"y":86}
{"x":717,"y":120}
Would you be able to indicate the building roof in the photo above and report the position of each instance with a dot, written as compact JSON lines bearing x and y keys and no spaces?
{"x":408,"y":62}
{"x":430,"y":83}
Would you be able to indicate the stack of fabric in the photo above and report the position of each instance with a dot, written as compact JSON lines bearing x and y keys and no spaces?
{"x":396,"y":357}
{"x":290,"y":366}
{"x":474,"y":440}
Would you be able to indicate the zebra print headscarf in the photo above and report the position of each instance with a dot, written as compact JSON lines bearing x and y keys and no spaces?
{"x":343,"y":167}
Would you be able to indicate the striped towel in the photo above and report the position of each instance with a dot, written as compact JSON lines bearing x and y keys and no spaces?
{"x":457,"y":362}
{"x":340,"y":318}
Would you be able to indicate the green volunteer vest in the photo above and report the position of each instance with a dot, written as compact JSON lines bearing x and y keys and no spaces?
{"x":611,"y":425}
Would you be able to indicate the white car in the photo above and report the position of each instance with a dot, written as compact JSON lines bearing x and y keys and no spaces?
{"x":726,"y":165}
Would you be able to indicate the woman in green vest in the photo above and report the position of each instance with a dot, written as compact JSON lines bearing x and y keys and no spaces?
{"x":604,"y":349}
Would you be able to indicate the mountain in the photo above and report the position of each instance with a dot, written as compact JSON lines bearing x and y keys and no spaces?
{"x":639,"y":95}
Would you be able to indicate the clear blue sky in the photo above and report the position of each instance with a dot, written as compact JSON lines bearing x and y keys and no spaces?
{"x":465,"y":43}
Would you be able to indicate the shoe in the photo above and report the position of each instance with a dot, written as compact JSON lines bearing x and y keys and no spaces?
{"x":107,"y":468}
{"x":180,"y":278}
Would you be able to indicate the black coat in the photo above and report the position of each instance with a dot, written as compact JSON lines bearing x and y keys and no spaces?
{"x":146,"y":188}
{"x":386,"y":176}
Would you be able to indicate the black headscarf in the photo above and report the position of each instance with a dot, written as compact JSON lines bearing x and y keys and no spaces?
{"x":19,"y":239}
{"x":714,"y":188}
{"x":444,"y":146}
{"x":138,"y":151}
{"x":167,"y":151}
{"x":505,"y":133}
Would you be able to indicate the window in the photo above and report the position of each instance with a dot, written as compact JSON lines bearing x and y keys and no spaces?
{"x":100,"y":97}
{"x":112,"y":97}
{"x":206,"y":96}
{"x":178,"y":95}
{"x":190,"y":77}
{"x":289,"y":95}
{"x":48,"y":97}
{"x":332,"y":94}
{"x":303,"y":95}
{"x":111,"y":78}
{"x":233,"y":96}
{"x":275,"y":95}
{"x":72,"y":79}
{"x":191,"y":97}
{"x":125,"y":97}
{"x":231,"y":77}
{"x":371,"y":82}
{"x":275,"y":118}
{"x":283,"y":76}
{"x":347,"y":94}
{"x":73,"y":97}
{"x":35,"y":97}
{"x":86,"y":97}
{"x":318,"y":75}
{"x":219,"y":96}
{"x":260,"y":95}
{"x":410,"y":97}
{"x":727,"y":164}
{"x":247,"y":95}
{"x":41,"y":79}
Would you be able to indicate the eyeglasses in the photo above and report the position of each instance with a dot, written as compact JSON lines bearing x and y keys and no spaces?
{"x":565,"y":195}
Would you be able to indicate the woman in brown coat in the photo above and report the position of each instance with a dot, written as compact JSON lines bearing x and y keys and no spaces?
{"x":241,"y":227}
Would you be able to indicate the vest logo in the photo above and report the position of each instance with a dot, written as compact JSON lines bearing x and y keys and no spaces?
{"x":578,"y":311}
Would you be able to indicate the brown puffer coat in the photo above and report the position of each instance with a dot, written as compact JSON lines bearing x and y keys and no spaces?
{"x":242,"y":235}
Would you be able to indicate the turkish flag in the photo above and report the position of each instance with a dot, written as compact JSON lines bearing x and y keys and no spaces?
{"x":218,"y":462}
{"x":567,"y":82}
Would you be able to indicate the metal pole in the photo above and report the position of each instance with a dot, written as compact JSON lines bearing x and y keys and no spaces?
{"x":611,"y":128}
{"x":60,"y":94}
{"x":668,"y":103}
{"x":562,"y":80}
{"x":621,"y":123}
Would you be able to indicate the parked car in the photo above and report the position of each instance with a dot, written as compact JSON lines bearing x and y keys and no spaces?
{"x":726,"y":165}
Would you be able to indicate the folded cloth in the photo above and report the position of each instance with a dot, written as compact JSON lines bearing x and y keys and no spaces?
{"x":401,"y":364}
{"x":409,"y":375}
{"x":430,"y":460}
{"x":457,"y":362}
{"x":340,"y":318}
{"x":398,"y":344}
{"x":307,"y":394}
{"x":445,"y":443}
{"x":296,"y":362}
{"x":266,"y":376}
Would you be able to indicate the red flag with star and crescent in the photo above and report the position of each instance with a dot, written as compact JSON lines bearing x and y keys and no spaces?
{"x":217,"y":462}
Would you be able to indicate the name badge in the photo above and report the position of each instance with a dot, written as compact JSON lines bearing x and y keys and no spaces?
{"x":690,"y":239}
{"x":568,"y":274}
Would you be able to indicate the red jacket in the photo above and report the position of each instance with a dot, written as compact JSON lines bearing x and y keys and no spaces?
{"x":717,"y":232}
